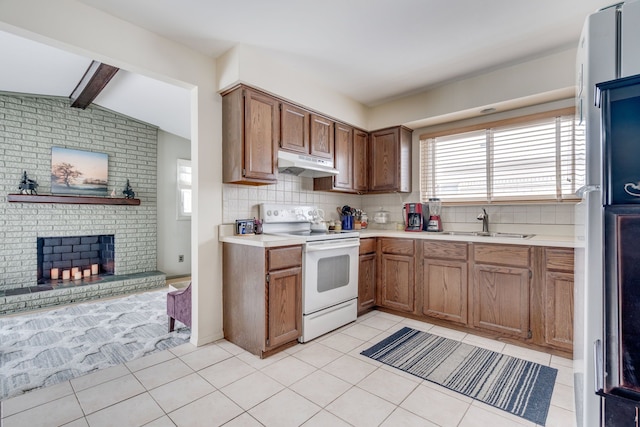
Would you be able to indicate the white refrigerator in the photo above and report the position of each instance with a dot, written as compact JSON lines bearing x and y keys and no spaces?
{"x":609,"y":48}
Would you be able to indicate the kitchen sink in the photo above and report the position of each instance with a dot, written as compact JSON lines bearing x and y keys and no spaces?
{"x":485,"y":234}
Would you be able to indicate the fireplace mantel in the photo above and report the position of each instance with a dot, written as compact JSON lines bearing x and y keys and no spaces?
{"x":76,"y":200}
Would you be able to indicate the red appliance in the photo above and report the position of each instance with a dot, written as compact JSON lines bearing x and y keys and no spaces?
{"x":435,"y":222}
{"x":414,"y":216}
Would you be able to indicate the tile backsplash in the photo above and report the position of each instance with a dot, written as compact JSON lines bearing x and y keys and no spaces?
{"x":241,"y":201}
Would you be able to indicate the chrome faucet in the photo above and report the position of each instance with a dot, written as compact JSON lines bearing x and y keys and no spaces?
{"x":484,"y":216}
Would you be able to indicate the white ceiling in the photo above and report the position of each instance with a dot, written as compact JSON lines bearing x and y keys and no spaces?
{"x":373,"y":51}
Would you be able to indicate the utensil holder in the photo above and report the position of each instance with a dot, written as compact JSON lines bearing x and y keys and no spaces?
{"x":347,"y":222}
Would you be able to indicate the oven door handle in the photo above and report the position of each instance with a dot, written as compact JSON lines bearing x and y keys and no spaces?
{"x":330,"y":246}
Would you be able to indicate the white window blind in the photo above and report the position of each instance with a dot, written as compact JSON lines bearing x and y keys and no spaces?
{"x":541,"y":159}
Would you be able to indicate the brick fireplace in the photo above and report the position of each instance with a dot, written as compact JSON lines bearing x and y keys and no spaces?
{"x":60,"y":254}
{"x":132,"y":149}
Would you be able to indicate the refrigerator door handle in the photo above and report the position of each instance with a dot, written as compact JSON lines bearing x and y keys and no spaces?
{"x":598,"y":365}
{"x":587,"y":189}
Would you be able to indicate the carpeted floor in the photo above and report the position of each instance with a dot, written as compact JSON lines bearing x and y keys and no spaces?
{"x":514,"y":385}
{"x":49,"y":347}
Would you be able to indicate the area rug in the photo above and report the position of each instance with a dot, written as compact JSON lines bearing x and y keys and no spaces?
{"x":49,"y":347}
{"x":514,"y":385}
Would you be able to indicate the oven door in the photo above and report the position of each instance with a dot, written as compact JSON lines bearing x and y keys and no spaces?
{"x":330,"y":274}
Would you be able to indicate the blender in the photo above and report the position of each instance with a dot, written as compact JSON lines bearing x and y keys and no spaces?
{"x":435,"y":222}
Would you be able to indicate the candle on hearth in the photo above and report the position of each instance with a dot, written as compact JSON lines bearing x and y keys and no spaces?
{"x":54,"y":274}
{"x":66,"y":274}
{"x":77,"y":275}
{"x":94,"y":269}
{"x":74,"y":270}
{"x":87,"y":272}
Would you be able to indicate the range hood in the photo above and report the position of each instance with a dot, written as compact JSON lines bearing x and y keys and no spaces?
{"x":305,"y":165}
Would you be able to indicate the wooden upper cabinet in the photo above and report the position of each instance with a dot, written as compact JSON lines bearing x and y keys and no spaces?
{"x":350,"y":159}
{"x":390,"y":160}
{"x":321,"y":136}
{"x":250,"y":133}
{"x":294,"y":128}
{"x":360,"y":161}
{"x":343,"y":160}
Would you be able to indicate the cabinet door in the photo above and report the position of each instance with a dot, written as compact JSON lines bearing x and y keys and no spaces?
{"x":321,"y":137}
{"x":343,"y":157}
{"x":444,"y":293}
{"x":294,"y":129}
{"x":360,"y":162}
{"x":558,"y":309}
{"x":284,"y":302}
{"x":262,"y":133}
{"x":384,"y":160}
{"x":501,"y":299}
{"x":366,"y":282}
{"x":397,"y":282}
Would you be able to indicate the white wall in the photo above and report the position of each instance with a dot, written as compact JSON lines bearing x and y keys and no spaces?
{"x":539,"y":80}
{"x":174,"y":235}
{"x":72,"y":26}
{"x":250,"y":65}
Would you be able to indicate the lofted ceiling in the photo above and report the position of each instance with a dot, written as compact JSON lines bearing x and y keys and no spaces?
{"x":372,"y":51}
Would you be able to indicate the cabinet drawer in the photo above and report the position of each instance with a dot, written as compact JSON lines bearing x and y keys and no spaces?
{"x":367,"y":246}
{"x":559,"y":259}
{"x":397,"y":246}
{"x":501,"y":254}
{"x":448,"y":250}
{"x":279,"y":258}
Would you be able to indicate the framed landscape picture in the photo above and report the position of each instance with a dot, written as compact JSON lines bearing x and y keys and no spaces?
{"x":77,"y":172}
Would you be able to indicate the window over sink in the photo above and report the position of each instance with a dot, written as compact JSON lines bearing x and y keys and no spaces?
{"x":539,"y":157}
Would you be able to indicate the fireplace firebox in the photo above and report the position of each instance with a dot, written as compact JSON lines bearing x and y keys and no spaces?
{"x":62,"y":255}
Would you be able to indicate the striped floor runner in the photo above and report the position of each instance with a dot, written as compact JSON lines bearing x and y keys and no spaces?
{"x":514,"y":385}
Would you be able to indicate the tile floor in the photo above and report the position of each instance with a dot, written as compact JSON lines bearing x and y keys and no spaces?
{"x":325,"y":382}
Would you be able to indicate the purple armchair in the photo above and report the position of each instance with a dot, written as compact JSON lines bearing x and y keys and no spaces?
{"x":179,"y":307}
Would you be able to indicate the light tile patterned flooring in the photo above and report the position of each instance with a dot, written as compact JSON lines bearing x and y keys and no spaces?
{"x":325,"y":382}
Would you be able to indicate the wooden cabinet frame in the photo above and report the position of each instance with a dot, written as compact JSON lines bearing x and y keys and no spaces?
{"x":525,"y":313}
{"x":262,"y":294}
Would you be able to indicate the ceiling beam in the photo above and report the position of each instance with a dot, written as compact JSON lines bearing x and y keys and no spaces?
{"x":94,"y":80}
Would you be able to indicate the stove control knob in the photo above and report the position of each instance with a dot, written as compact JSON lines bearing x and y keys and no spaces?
{"x":268,"y":213}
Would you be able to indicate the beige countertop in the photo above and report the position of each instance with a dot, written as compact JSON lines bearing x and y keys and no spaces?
{"x":264,"y":240}
{"x":536,"y":240}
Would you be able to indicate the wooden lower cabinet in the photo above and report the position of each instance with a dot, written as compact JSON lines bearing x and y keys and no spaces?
{"x":285,"y":306}
{"x":367,"y":275}
{"x":501,"y":299}
{"x":558,"y":298}
{"x":444,"y":282}
{"x":262,"y":297}
{"x":444,"y":292}
{"x":397,"y":274}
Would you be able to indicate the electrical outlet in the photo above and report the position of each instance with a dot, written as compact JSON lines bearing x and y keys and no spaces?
{"x":180,"y":258}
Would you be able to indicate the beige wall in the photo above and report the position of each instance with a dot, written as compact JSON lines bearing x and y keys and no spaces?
{"x":86,"y":31}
